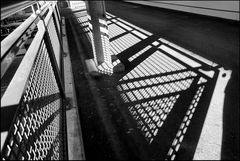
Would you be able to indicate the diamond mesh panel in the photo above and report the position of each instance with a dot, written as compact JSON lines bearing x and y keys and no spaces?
{"x":36,"y":132}
{"x":54,"y":40}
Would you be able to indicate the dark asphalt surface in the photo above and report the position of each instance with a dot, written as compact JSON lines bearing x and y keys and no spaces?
{"x":213,"y":39}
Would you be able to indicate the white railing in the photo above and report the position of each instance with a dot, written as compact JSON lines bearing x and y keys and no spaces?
{"x":19,"y":36}
{"x":32,"y":108}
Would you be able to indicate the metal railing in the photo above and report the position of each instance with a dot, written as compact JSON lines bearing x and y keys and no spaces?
{"x":16,"y":39}
{"x":12,"y":9}
{"x":32,"y":108}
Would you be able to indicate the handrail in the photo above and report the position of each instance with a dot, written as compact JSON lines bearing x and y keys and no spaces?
{"x":16,"y":87}
{"x":17,"y":84}
{"x":13,"y":38}
{"x":12,"y":9}
{"x":35,"y":96}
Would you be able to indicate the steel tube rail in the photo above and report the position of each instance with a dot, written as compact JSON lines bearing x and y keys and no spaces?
{"x":14,"y":91}
{"x":9,"y":41}
{"x":12,"y":9}
{"x":35,"y":97}
{"x":15,"y":37}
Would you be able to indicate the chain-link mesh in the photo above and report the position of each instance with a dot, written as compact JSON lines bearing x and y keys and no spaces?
{"x":36,"y":132}
{"x":54,"y":40}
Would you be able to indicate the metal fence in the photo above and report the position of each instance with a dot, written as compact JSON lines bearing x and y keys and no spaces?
{"x":17,"y":39}
{"x":32,"y":107}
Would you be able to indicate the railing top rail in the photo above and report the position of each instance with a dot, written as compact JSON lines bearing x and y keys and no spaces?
{"x":16,"y":87}
{"x":12,"y":9}
{"x":12,"y":38}
{"x":36,"y":80}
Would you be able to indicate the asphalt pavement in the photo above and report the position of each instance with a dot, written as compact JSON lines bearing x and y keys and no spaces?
{"x":109,"y":129}
{"x":212,"y":38}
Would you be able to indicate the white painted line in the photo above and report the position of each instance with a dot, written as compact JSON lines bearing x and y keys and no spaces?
{"x":210,"y":142}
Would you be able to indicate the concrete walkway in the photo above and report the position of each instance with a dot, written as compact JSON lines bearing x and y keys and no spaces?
{"x":74,"y":132}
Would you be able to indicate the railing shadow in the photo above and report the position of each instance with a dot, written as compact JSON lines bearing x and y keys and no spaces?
{"x":163,"y":94}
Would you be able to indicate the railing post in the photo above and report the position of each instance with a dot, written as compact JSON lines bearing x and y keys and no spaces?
{"x":36,"y":91}
{"x":57,"y":25}
{"x":33,"y":10}
{"x":38,"y":6}
{"x":53,"y":61}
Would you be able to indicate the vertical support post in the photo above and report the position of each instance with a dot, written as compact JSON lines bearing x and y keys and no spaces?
{"x":57,"y":26}
{"x":53,"y":60}
{"x":38,"y":6}
{"x":98,"y":25}
{"x":33,"y":9}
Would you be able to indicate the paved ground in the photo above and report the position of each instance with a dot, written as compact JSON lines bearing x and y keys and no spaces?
{"x":114,"y":132}
{"x":111,"y":131}
{"x":214,"y":39}
{"x":189,"y":31}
